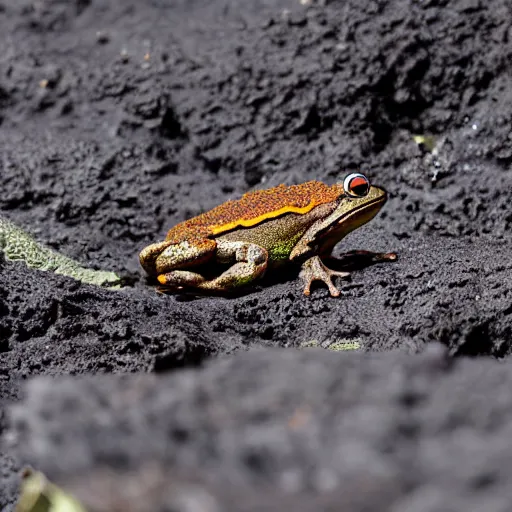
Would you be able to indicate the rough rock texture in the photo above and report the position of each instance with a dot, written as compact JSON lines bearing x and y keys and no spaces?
{"x":119,"y":119}
{"x":352,"y":430}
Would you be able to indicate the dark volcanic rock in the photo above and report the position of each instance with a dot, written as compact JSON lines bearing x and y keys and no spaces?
{"x":119,"y":119}
{"x":345,"y":431}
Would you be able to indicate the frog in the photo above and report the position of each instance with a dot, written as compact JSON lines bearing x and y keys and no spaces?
{"x":233,"y":245}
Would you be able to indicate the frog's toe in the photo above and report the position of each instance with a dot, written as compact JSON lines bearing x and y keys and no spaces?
{"x":314,"y":270}
{"x":180,"y":278}
{"x":149,"y":255}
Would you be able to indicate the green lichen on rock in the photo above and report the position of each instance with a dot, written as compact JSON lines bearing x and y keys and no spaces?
{"x":310,"y":344}
{"x":429,"y":142}
{"x":40,"y":495}
{"x":336,"y":346}
{"x":20,"y":246}
{"x":344,"y":345}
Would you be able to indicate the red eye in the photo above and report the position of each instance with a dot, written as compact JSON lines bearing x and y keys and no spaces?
{"x":356,"y":185}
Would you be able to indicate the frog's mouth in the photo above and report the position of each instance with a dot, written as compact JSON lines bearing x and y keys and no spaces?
{"x":359,"y":215}
{"x":355,"y":216}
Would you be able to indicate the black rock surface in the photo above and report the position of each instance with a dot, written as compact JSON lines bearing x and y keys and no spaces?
{"x":119,"y":119}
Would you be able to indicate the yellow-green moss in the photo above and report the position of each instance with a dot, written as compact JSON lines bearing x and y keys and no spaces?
{"x":39,"y":495}
{"x":337,"y":345}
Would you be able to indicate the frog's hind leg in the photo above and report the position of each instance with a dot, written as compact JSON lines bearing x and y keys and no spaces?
{"x":150,"y":254}
{"x":249,"y":262}
{"x":180,"y":279}
{"x":182,"y":255}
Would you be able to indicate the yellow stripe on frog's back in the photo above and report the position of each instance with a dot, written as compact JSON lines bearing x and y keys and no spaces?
{"x":255,"y":207}
{"x":246,"y":223}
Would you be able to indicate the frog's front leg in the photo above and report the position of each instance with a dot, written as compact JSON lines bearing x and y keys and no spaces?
{"x":248,"y":263}
{"x":313,"y":269}
{"x":310,"y":249}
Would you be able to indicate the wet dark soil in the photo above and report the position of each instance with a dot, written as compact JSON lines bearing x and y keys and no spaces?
{"x":119,"y":119}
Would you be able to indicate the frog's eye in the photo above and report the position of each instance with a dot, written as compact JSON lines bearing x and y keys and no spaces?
{"x":356,"y":185}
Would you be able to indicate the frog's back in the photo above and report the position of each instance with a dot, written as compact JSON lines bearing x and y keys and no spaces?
{"x":255,"y":207}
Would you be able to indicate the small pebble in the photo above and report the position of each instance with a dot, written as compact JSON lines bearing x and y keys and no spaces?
{"x":102,"y":37}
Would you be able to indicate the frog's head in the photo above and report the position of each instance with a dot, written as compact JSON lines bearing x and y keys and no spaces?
{"x":358,"y":204}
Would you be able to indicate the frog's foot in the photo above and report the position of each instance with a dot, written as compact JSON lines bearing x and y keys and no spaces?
{"x":250,"y":264}
{"x":180,"y":279}
{"x":149,"y":255}
{"x":314,"y":270}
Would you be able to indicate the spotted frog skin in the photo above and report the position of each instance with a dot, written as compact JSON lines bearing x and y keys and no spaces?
{"x":234,"y":244}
